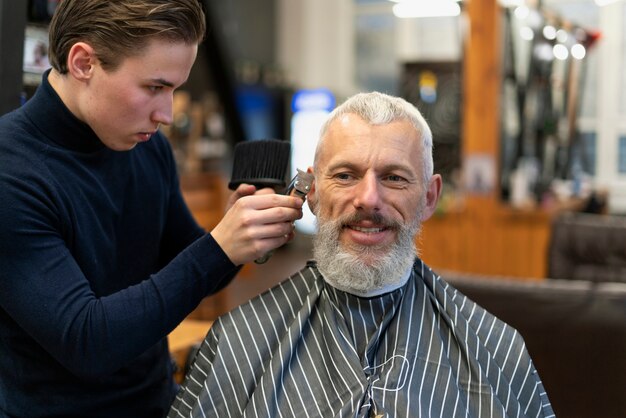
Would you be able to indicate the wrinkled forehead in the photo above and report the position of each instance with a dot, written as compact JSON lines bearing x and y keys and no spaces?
{"x":349,"y":136}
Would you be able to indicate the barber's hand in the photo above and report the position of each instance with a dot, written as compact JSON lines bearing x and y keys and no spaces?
{"x":255,"y":223}
{"x":243,"y":190}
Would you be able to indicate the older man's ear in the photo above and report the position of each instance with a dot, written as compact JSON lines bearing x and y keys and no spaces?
{"x":435,"y":184}
{"x":311,"y":197}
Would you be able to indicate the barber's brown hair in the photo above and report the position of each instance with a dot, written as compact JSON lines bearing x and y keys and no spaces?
{"x":119,"y":29}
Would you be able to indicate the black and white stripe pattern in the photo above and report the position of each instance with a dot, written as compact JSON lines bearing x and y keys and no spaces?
{"x":305,"y":349}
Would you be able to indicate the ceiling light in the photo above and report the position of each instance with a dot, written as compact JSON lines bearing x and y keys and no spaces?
{"x":521,"y":12}
{"x":578,"y":51}
{"x":604,"y":2}
{"x":511,"y":3}
{"x":560,"y":52}
{"x":527,"y":33}
{"x":426,"y":8}
{"x":549,"y":32}
{"x":562,"y":36}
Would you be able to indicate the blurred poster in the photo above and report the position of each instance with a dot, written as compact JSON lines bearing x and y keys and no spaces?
{"x":435,"y":88}
{"x":36,"y":49}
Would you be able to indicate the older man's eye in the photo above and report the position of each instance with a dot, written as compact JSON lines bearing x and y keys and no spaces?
{"x":343,"y":176}
{"x":395,"y":178}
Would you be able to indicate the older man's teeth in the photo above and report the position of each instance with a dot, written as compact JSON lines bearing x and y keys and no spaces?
{"x":367,"y":230}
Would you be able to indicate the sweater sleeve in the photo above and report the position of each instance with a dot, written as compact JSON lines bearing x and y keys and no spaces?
{"x":47,"y":295}
{"x":45,"y":292}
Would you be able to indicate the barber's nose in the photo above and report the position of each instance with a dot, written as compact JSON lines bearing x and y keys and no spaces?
{"x":367,"y":194}
{"x":164,"y":112}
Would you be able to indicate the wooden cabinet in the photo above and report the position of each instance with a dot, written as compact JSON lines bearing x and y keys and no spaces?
{"x":488,"y":238}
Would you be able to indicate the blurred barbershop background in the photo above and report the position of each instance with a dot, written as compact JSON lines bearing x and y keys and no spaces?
{"x":527,"y":102}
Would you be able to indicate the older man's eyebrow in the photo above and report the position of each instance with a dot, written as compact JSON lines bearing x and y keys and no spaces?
{"x":341,"y":164}
{"x":347,"y":165}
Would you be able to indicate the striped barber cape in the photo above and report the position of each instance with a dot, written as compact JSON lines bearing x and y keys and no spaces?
{"x":306,"y":349}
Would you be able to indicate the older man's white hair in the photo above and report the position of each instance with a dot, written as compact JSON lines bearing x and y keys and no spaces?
{"x":380,"y":109}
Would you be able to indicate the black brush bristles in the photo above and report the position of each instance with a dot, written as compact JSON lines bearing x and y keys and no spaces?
{"x":261,"y":162}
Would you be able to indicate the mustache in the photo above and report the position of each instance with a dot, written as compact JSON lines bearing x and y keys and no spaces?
{"x":375,"y":218}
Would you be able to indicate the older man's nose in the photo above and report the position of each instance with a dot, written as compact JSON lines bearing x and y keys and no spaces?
{"x":367,"y":194}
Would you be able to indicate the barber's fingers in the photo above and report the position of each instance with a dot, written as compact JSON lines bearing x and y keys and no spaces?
{"x":265,"y":190}
{"x":250,"y":243}
{"x":269,"y":231}
{"x":260,"y":248}
{"x":262,"y":200}
{"x":241,"y":191}
{"x":256,"y":224}
{"x":244,"y":190}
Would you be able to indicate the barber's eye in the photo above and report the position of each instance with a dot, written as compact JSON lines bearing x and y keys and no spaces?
{"x":394,"y":178}
{"x":155,"y":89}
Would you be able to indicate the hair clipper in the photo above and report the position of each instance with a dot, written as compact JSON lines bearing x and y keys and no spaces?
{"x":299,"y":186}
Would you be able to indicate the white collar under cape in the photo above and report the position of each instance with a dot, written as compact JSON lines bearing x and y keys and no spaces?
{"x":382,"y":290}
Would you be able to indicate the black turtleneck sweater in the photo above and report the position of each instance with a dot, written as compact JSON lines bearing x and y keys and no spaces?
{"x":99,"y":260}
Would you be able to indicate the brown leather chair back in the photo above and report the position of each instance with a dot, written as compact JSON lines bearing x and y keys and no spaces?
{"x":588,"y":247}
{"x":575,"y":332}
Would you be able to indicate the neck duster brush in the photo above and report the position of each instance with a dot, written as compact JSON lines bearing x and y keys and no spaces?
{"x":262,"y":163}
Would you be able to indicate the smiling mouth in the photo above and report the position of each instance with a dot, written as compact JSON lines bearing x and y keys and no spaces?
{"x":366,"y":230}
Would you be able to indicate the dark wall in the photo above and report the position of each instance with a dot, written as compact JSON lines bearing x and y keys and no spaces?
{"x":12,"y":24}
{"x":248,"y":28}
{"x":247,"y":31}
{"x":240,"y":41}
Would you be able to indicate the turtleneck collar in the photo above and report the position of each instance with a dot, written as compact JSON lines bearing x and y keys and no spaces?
{"x":58,"y":123}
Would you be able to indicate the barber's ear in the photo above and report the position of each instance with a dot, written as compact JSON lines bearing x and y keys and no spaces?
{"x":81,"y":60}
{"x":433,"y":192}
{"x":311,"y":197}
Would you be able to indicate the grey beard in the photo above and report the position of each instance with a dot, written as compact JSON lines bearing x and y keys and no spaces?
{"x":360,"y":269}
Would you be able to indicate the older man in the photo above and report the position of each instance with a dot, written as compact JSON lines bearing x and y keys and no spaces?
{"x":367,"y":329}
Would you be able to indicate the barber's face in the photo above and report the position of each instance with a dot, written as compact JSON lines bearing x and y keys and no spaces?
{"x":126,"y":106}
{"x":372,"y":178}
